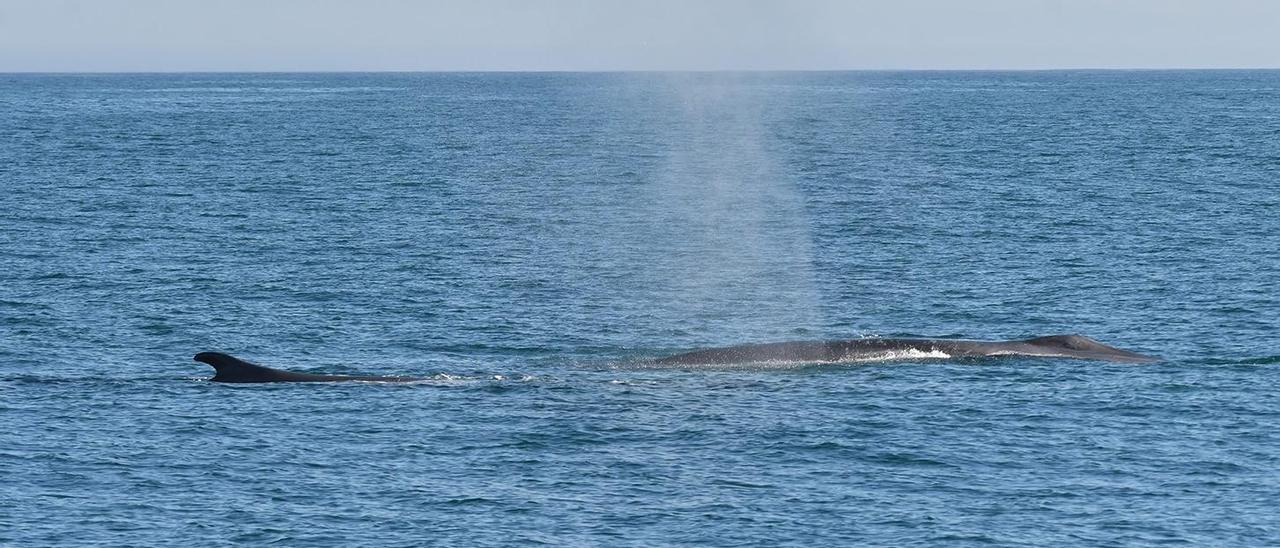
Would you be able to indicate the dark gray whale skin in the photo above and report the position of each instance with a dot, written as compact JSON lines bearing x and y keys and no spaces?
{"x":232,"y":369}
{"x":1053,"y":346}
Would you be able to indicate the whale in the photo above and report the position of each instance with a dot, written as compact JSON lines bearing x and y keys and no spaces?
{"x":876,"y":349}
{"x":229,"y":368}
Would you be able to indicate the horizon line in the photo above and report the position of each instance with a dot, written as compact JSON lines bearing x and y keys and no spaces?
{"x":641,"y":71}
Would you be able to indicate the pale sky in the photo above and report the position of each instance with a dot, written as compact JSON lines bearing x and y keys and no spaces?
{"x":374,"y":35}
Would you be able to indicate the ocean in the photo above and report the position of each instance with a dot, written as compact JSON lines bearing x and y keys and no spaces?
{"x":527,"y":240}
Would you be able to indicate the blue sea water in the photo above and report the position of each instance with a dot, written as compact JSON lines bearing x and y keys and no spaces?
{"x":526,"y":240}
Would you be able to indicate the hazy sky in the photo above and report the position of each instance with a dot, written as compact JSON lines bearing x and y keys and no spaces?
{"x":268,"y":35}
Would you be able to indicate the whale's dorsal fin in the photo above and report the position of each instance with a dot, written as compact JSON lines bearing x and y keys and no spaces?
{"x":232,"y":369}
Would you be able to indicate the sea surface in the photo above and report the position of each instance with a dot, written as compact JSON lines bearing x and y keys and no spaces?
{"x":527,"y":241}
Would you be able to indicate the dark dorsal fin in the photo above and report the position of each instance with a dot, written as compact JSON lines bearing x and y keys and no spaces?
{"x":232,"y":369}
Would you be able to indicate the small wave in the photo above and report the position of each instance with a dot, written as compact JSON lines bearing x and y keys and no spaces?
{"x":449,"y":378}
{"x":742,"y":484}
{"x":467,"y":501}
{"x":633,"y":382}
{"x":907,"y":459}
{"x":1259,"y":360}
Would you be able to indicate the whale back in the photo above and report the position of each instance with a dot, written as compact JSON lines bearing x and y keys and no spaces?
{"x":1055,"y":346}
{"x":1080,"y":346}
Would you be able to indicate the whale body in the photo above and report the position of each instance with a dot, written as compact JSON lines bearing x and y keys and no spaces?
{"x":235,"y":370}
{"x":232,"y":369}
{"x":1053,"y":346}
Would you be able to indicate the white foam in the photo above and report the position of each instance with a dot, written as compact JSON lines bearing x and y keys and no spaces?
{"x":899,"y":355}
